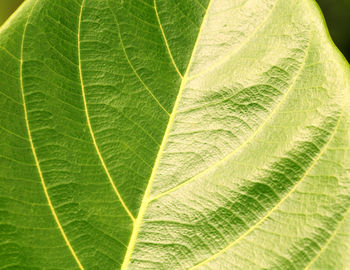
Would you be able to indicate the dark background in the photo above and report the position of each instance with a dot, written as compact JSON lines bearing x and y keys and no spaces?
{"x":337,"y":13}
{"x":7,"y":7}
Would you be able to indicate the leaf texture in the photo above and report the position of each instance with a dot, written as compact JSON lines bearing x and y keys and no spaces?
{"x":189,"y":134}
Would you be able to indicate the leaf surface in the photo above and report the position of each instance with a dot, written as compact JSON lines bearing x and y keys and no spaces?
{"x":190,"y":134}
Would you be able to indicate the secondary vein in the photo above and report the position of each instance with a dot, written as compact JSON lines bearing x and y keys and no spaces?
{"x":37,"y":163}
{"x":165,"y":39}
{"x":131,"y":65}
{"x":257,"y":224}
{"x":89,"y":123}
{"x":241,"y":45}
{"x":329,"y":240}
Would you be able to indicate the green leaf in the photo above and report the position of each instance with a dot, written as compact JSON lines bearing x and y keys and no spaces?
{"x":188,"y":134}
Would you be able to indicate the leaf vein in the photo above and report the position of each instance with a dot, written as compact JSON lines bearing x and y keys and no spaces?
{"x":240,"y":46}
{"x":37,"y":163}
{"x":145,"y":200}
{"x":165,"y":39}
{"x":130,"y":64}
{"x":329,"y":240}
{"x":257,"y":224}
{"x":89,"y":124}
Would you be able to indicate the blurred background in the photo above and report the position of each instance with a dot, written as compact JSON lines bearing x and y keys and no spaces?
{"x":337,"y":13}
{"x":7,"y":7}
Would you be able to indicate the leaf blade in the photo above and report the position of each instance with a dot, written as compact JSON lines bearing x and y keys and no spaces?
{"x":254,"y":153}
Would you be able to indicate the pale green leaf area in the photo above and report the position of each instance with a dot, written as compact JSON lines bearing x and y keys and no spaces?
{"x":187,"y":134}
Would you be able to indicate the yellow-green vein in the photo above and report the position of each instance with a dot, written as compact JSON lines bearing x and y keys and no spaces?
{"x":329,"y":240}
{"x":89,"y":123}
{"x":145,"y":200}
{"x":165,"y":39}
{"x":241,"y":45}
{"x":257,"y":224}
{"x":37,"y":163}
{"x":131,"y":65}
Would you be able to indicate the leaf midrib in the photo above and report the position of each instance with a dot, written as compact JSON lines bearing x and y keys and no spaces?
{"x":145,"y":200}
